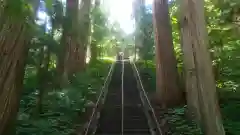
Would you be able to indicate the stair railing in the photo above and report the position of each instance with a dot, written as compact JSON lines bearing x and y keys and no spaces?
{"x":137,"y":75}
{"x":122,"y":91}
{"x":102,"y":96}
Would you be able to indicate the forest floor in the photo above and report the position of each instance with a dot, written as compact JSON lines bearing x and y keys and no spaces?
{"x":229,"y":100}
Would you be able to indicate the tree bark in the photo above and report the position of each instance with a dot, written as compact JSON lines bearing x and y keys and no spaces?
{"x":201,"y":89}
{"x":168,"y":88}
{"x":138,"y":10}
{"x":94,"y":49}
{"x":12,"y":60}
{"x":69,"y":44}
{"x":60,"y":58}
{"x":74,"y":40}
{"x":84,"y":37}
{"x":43,"y":79}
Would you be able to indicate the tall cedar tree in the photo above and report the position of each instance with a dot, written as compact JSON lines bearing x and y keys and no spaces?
{"x":168,"y":90}
{"x":76,"y":30}
{"x":14,"y":38}
{"x":200,"y":83}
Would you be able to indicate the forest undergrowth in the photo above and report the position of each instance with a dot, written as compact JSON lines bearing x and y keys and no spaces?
{"x":62,"y":110}
{"x":180,"y":123}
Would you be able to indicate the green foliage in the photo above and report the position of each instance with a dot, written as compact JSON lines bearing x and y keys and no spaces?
{"x":176,"y":117}
{"x":17,"y":10}
{"x":180,"y":124}
{"x":147,"y":51}
{"x":230,"y":110}
{"x":148,"y":74}
{"x":100,"y":29}
{"x":62,"y":109}
{"x":49,"y":4}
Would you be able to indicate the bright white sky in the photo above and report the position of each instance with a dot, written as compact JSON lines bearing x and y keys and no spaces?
{"x":120,"y":11}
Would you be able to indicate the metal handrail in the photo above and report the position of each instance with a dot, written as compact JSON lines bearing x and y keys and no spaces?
{"x":122,"y":124}
{"x":99,"y":97}
{"x":146,"y":97}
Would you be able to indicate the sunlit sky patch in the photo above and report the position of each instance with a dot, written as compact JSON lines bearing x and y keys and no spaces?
{"x":120,"y":11}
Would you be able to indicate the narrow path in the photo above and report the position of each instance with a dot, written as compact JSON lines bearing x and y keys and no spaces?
{"x":123,"y":117}
{"x":110,"y":116}
{"x":135,"y":121}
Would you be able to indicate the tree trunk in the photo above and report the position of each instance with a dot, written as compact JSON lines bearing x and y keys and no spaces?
{"x":168,"y":88}
{"x":74,"y":40}
{"x":39,"y":77}
{"x":84,"y":18}
{"x":190,"y":79}
{"x":94,"y":49}
{"x":69,"y":44}
{"x":201,"y":89}
{"x":138,"y":11}
{"x":12,"y":55}
{"x":82,"y":57}
{"x":43,"y":79}
{"x":71,"y":60}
